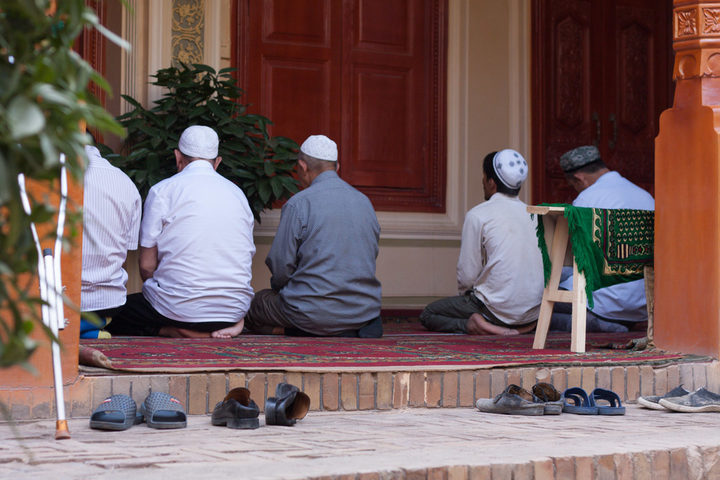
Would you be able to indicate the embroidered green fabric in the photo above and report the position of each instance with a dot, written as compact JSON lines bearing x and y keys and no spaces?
{"x":610,"y":246}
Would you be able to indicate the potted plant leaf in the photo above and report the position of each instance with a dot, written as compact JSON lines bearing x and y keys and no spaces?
{"x":198,"y":95}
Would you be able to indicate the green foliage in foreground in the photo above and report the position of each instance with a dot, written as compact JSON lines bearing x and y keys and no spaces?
{"x":44,"y":98}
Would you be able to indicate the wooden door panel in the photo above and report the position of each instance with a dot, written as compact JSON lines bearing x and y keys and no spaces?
{"x":642,"y":80}
{"x":305,"y":85}
{"x":376,"y":26}
{"x":296,"y":22}
{"x":384,"y":98}
{"x":368,"y":73}
{"x":290,"y":72}
{"x":566,"y":118}
{"x":602,"y":77}
{"x":382,"y":129}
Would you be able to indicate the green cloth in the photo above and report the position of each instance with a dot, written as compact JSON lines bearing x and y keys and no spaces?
{"x":610,"y":246}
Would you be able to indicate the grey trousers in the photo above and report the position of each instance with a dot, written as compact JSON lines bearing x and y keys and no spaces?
{"x":450,"y":315}
{"x":266,"y":313}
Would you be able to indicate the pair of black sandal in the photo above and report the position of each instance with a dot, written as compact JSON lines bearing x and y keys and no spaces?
{"x":239,"y":411}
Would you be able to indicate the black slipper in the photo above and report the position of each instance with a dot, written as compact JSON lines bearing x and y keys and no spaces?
{"x":163,"y":411}
{"x":117,"y":412}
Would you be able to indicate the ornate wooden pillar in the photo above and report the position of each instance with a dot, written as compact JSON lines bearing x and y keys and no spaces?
{"x":687,"y":188}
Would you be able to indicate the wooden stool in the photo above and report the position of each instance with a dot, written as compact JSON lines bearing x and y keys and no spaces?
{"x":557,"y":241}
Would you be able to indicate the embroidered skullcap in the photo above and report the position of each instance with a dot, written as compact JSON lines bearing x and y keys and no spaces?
{"x":579,"y":157}
{"x":320,"y":147}
{"x":510,"y":167}
{"x":199,"y":141}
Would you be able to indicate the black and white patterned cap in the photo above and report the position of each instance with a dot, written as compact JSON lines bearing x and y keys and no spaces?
{"x":579,"y":157}
{"x":510,"y":167}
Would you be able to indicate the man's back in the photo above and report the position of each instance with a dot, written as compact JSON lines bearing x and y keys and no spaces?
{"x":202,"y":227}
{"x":331,"y":287}
{"x":111,"y":222}
{"x":500,"y":259}
{"x":612,"y":190}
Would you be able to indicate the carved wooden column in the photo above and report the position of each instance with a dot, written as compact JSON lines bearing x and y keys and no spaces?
{"x":687,"y":188}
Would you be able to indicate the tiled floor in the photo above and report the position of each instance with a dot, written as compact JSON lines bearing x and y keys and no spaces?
{"x":458,"y":443}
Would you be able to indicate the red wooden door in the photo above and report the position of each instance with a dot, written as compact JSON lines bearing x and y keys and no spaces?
{"x":601,"y":72}
{"x":367,"y":73}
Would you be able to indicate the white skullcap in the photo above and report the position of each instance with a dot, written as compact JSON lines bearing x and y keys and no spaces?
{"x":199,"y":142}
{"x":510,"y":167}
{"x":320,"y":147}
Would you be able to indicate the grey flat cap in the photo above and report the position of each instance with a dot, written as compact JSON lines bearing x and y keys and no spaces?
{"x":579,"y":157}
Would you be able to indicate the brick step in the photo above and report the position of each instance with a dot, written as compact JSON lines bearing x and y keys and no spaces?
{"x":368,"y":390}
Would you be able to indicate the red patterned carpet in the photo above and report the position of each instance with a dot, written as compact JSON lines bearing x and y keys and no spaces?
{"x":404,"y":347}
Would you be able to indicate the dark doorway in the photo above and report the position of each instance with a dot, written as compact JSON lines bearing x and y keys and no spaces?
{"x":601,"y":75}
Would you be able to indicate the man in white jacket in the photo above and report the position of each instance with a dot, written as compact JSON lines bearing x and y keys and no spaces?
{"x":499,"y":271}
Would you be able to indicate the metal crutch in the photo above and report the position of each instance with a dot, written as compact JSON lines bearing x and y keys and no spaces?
{"x":50,"y":280}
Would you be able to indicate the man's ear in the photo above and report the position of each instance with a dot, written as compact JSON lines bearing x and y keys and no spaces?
{"x":580,"y":179}
{"x":217,"y":162}
{"x":179,"y":160}
{"x":303,"y":166}
{"x":492,"y":185}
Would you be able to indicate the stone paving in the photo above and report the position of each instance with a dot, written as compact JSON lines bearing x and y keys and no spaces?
{"x":457,"y":443}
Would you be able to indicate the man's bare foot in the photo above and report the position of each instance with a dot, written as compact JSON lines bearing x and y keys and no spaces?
{"x":477,"y":325}
{"x":229,"y":332}
{"x":176,"y":332}
{"x":527,"y":328}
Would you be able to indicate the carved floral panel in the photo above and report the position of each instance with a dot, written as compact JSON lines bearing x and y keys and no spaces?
{"x":188,"y":31}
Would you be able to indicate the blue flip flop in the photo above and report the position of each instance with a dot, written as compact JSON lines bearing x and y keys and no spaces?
{"x":576,"y":401}
{"x":161,"y":410}
{"x":117,"y":412}
{"x":611,"y":404}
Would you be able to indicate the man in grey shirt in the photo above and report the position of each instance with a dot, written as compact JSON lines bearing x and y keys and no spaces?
{"x":323,"y":257}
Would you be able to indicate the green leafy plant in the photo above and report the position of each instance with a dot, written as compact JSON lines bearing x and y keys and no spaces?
{"x":198,"y":95}
{"x":44,"y":99}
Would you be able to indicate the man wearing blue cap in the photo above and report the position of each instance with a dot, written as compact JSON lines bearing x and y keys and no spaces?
{"x":499,"y":271}
{"x":619,"y":307}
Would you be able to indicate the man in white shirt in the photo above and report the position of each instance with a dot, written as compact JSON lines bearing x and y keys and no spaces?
{"x":499,"y":271}
{"x":196,"y":249}
{"x":111,"y":224}
{"x":619,"y":307}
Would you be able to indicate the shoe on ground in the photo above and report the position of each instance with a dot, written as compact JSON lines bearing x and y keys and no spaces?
{"x":237,"y":410}
{"x":163,"y":411}
{"x":576,"y":401}
{"x":549,"y":396}
{"x":117,"y":412}
{"x":287,"y":406}
{"x":701,"y":400}
{"x":607,"y":402}
{"x":653,"y":401}
{"x":515,"y":400}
